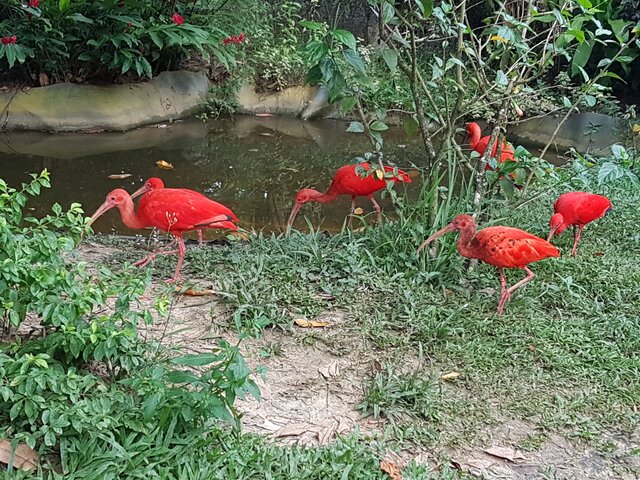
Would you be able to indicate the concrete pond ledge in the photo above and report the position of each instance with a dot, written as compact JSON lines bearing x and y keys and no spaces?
{"x":68,"y":107}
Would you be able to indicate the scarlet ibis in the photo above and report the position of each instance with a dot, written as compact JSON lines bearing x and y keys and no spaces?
{"x":172,"y":210}
{"x":347,"y":182}
{"x":577,"y":209}
{"x":480,"y":144}
{"x":503,"y":247}
{"x":154,"y":183}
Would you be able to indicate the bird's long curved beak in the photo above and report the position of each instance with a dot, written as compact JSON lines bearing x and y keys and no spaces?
{"x":551,"y":233}
{"x":105,"y":207}
{"x":141,"y":191}
{"x":438,"y":234}
{"x":294,"y":212}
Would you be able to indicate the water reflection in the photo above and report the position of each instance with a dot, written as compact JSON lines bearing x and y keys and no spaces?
{"x":252,"y":164}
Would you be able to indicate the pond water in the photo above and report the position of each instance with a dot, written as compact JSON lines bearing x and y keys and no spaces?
{"x":254,"y":165}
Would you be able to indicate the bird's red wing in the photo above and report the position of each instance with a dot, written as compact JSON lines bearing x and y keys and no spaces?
{"x":222,"y":208}
{"x":581,"y":207}
{"x":511,"y":247}
{"x":176,"y":209}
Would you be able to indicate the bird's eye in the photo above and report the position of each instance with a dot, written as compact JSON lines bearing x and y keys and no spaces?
{"x":113,"y":199}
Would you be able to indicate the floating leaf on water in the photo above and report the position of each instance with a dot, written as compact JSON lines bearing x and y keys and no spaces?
{"x":119,"y":176}
{"x":24,"y":457}
{"x":264,"y":114}
{"x":505,"y":452}
{"x":163,"y":164}
{"x":301,"y":322}
{"x":266,"y":134}
{"x":358,"y":211}
{"x":450,"y":376}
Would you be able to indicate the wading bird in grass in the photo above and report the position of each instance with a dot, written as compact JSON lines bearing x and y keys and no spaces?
{"x":347,"y":181}
{"x":577,"y":209}
{"x":155,"y":183}
{"x":480,"y":144}
{"x":172,"y":210}
{"x":502,"y":247}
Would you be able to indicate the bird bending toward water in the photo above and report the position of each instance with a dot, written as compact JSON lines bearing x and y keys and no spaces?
{"x":155,"y":183}
{"x":172,"y":210}
{"x":577,"y":209}
{"x":347,"y":182}
{"x":502,"y":247}
{"x":480,"y":144}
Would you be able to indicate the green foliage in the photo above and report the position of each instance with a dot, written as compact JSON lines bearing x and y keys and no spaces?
{"x":104,"y":39}
{"x":51,"y":395}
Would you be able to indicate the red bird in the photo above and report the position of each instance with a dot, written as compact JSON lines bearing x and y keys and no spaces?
{"x":155,"y":183}
{"x":480,"y":144}
{"x":577,"y":209}
{"x":347,"y":182}
{"x":503,"y":247}
{"x":172,"y":210}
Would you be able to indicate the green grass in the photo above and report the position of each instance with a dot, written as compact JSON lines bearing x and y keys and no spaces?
{"x":564,"y":358}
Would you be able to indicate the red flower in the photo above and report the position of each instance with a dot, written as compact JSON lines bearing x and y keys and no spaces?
{"x":34,"y":3}
{"x":234,"y":39}
{"x":177,"y":18}
{"x":9,"y":40}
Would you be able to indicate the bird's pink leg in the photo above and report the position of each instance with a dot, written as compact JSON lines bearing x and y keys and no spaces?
{"x":161,"y":251}
{"x":503,"y":290}
{"x":577,"y":234}
{"x":181,"y":251}
{"x":510,"y":290}
{"x":377,"y":207}
{"x":200,"y":242}
{"x":353,"y":209}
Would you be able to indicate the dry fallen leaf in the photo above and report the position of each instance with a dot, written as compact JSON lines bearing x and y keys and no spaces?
{"x":505,"y":452}
{"x":197,"y":293}
{"x":43,"y":78}
{"x":293,"y":430}
{"x":413,"y":173}
{"x":391,"y":469}
{"x":119,"y":176}
{"x":450,"y":376}
{"x":598,"y":254}
{"x":24,"y":457}
{"x":326,"y":434}
{"x":164,"y":165}
{"x":498,"y":38}
{"x":379,"y":174}
{"x":358,"y":211}
{"x":301,"y":322}
{"x":331,"y":370}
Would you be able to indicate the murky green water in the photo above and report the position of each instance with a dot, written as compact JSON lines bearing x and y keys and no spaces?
{"x":253,"y":165}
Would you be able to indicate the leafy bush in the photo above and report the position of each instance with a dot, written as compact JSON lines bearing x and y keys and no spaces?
{"x":90,"y":385}
{"x":103,"y":39}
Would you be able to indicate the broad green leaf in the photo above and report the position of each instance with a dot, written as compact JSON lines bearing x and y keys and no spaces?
{"x":314,"y":75}
{"x":581,"y":57}
{"x":609,"y":172}
{"x":348,"y":103}
{"x":507,"y":188}
{"x":501,"y":78}
{"x":585,"y":3}
{"x":378,"y":126}
{"x":618,"y":27}
{"x":355,"y":127}
{"x":590,"y":100}
{"x":410,"y":125}
{"x":179,"y":376}
{"x":566,"y":102}
{"x":390,"y":57}
{"x":426,"y":7}
{"x":614,"y":75}
{"x":388,"y":12}
{"x":353,"y":59}
{"x":308,"y":24}
{"x":63,"y":5}
{"x":196,"y":360}
{"x":618,"y":151}
{"x":345,"y":37}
